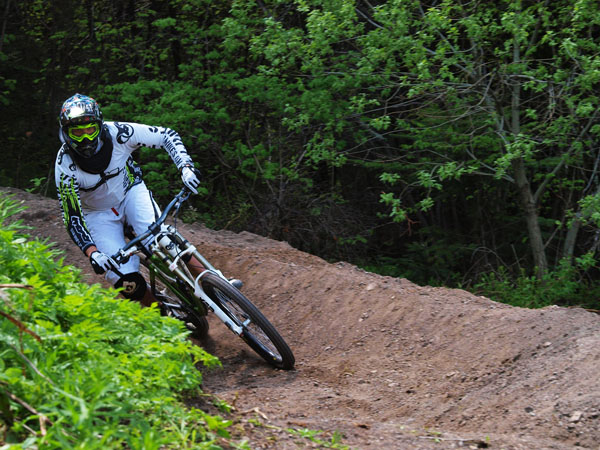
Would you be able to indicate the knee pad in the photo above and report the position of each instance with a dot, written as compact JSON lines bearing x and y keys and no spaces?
{"x":133,"y":284}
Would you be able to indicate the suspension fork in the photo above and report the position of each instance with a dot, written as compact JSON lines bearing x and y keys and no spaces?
{"x":222,"y":315}
{"x":196,"y":283}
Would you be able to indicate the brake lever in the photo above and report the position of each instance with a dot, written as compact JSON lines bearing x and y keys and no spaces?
{"x":120,"y":258}
{"x":115,"y":268}
{"x":181,"y":198}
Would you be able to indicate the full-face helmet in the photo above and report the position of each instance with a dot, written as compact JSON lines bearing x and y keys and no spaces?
{"x":81,"y":125}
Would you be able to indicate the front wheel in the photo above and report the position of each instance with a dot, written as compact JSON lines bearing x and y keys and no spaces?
{"x":257,"y":332}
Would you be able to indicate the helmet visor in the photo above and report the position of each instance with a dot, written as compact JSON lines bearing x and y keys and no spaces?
{"x":86,"y":131}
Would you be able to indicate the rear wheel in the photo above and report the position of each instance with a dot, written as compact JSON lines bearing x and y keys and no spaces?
{"x":176,"y":301}
{"x":257,"y":332}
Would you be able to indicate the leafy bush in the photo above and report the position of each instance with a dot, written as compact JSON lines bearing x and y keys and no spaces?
{"x":563,"y":286}
{"x":83,"y":369}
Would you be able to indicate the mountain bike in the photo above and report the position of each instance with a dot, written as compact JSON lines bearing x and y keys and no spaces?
{"x":165,"y":252}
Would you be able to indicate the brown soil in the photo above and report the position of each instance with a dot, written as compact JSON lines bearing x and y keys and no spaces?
{"x":387,"y":363}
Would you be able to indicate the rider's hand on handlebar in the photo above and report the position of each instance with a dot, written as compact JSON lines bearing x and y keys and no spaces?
{"x":191,"y":178}
{"x":101,"y":262}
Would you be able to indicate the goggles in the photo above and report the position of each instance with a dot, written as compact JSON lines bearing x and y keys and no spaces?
{"x":86,"y":131}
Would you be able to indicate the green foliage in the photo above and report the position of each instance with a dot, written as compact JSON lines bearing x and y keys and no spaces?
{"x":317,"y":122}
{"x":563,"y":286}
{"x":590,"y":209}
{"x":429,"y":260}
{"x":81,"y":368}
{"x":37,"y":184}
{"x":313,"y":436}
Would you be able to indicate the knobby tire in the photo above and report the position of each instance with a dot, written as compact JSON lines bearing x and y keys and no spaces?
{"x":258,"y":332}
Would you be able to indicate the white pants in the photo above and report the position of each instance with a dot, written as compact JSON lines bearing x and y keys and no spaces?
{"x":106,"y":227}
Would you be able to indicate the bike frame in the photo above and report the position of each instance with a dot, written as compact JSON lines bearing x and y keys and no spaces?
{"x":159,"y":269}
{"x":166,"y":261}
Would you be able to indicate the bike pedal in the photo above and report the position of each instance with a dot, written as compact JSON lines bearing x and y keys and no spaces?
{"x":172,"y":311}
{"x":236,"y":283}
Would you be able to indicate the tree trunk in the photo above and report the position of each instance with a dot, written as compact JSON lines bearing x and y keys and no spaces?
{"x":571,"y":238}
{"x":531,"y":217}
{"x":528,"y":203}
{"x":90,"y":19}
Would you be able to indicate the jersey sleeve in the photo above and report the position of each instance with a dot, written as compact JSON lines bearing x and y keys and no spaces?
{"x":67,"y":189}
{"x":161,"y":137}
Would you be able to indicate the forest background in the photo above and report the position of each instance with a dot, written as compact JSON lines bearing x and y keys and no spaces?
{"x":449,"y":142}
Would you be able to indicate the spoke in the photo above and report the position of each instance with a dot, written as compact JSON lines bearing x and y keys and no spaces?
{"x":256,"y":332}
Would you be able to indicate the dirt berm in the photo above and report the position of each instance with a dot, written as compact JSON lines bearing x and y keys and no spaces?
{"x":386,"y":363}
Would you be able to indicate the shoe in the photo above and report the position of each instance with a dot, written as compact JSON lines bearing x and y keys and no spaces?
{"x":236,"y":283}
{"x":168,"y":308}
{"x":197,"y":325}
{"x":170,"y":311}
{"x":160,"y":301}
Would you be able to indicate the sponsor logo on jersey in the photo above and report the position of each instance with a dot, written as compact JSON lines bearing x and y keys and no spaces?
{"x":124,"y":132}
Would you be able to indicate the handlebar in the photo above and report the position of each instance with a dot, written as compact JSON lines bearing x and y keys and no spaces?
{"x":154,"y":228}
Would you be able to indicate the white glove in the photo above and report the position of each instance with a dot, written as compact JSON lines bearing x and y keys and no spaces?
{"x":101,"y":262}
{"x":191,"y":178}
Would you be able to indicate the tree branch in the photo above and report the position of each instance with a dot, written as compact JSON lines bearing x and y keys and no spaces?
{"x":540,"y":190}
{"x":31,"y":409}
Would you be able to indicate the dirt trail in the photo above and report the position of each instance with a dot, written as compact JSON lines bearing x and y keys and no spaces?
{"x":385,"y":362}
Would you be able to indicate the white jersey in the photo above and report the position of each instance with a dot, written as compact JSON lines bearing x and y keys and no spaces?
{"x":82,"y":191}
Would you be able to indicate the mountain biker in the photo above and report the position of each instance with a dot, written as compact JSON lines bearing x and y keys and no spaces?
{"x":100,"y":187}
